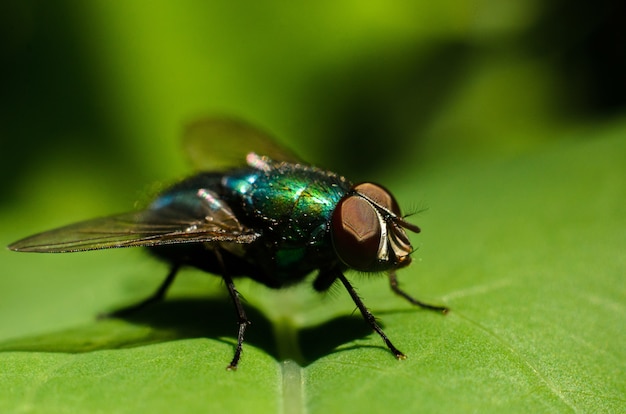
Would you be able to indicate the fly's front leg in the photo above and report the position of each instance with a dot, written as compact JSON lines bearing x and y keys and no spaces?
{"x":369,"y":318}
{"x":393,"y":282}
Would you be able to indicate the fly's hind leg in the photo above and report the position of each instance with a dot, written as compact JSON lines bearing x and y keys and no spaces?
{"x":157,"y":296}
{"x":393,"y":282}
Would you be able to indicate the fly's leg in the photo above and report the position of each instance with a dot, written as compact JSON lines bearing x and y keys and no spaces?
{"x":369,"y":318}
{"x":242,"y":321}
{"x":393,"y":282}
{"x":157,"y":296}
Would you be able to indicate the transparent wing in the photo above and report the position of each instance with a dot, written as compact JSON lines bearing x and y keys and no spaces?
{"x":213,"y":222}
{"x":216,"y":144}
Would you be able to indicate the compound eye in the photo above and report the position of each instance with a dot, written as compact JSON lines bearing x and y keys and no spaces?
{"x":380,"y":195}
{"x":356,"y":232}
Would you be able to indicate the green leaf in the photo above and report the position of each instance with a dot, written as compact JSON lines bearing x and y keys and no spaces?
{"x":528,"y":253}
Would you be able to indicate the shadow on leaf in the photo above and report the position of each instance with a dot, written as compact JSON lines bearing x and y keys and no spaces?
{"x":192,"y":318}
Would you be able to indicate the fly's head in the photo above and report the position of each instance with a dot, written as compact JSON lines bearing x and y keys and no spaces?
{"x":368,"y":231}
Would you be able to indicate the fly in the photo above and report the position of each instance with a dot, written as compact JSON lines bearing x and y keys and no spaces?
{"x":255,"y":211}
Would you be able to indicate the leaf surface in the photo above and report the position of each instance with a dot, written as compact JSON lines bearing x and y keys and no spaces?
{"x":528,"y":254}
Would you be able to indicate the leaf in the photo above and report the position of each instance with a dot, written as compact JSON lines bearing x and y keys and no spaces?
{"x":528,"y":254}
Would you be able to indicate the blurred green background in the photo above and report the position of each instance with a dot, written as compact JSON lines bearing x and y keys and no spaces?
{"x":99,"y":91}
{"x":95,"y":94}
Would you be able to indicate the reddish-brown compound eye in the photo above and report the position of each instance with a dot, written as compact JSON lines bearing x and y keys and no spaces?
{"x":380,"y":195}
{"x":356,"y":233}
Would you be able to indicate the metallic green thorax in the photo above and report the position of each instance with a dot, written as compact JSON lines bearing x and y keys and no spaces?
{"x":291,"y":205}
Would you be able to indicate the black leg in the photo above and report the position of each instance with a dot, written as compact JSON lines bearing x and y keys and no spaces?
{"x":325,"y":279}
{"x":155,"y":297}
{"x":369,"y":318}
{"x":242,"y":321}
{"x":393,"y":282}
